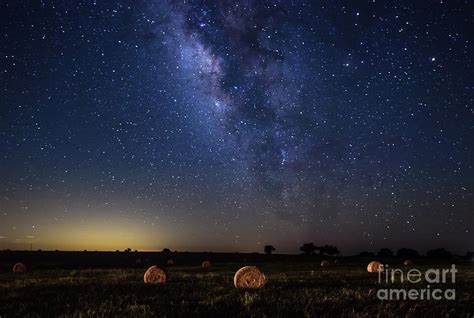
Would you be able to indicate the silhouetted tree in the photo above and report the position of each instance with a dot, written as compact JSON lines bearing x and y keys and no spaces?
{"x":308,"y":248}
{"x":439,"y":253}
{"x":407,"y":253}
{"x":128,"y":250}
{"x":166,"y":251}
{"x":329,"y":250}
{"x":385,"y":252}
{"x":268,"y":249}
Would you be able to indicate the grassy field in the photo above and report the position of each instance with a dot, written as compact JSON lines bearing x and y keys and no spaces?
{"x":299,"y":289}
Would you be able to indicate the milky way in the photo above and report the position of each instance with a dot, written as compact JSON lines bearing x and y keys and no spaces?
{"x":238,"y":123}
{"x":251,"y":86}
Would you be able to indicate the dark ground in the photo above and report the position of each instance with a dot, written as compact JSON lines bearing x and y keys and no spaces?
{"x":110,"y":284}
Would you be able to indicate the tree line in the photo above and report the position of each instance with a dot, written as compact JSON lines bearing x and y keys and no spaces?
{"x":331,"y":250}
{"x":309,"y":249}
{"x":409,"y":253}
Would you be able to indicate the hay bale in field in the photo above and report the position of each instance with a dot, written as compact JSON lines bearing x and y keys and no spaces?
{"x":154,"y":275}
{"x":325,"y":263}
{"x":206,"y":265}
{"x":408,"y":262}
{"x":170,"y":262}
{"x":249,"y":277}
{"x":19,"y":268}
{"x":375,"y":267}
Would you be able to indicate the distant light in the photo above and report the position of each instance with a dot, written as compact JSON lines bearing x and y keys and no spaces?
{"x":433,"y":59}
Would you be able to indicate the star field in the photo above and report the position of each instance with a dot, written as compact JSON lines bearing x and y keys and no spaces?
{"x":228,"y":125}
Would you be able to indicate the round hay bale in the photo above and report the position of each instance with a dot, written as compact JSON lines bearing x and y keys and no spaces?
{"x":249,"y":277}
{"x":375,"y":267}
{"x":19,"y":268}
{"x":325,"y":263}
{"x":206,"y":265}
{"x":170,"y":262}
{"x":408,"y":262}
{"x":154,"y":275}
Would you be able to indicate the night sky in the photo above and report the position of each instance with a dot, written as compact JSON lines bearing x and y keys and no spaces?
{"x":228,"y":125}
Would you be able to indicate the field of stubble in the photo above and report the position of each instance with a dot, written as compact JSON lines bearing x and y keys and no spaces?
{"x":292,"y":290}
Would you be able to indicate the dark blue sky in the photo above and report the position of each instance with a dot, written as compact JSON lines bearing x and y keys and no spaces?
{"x":228,"y":125}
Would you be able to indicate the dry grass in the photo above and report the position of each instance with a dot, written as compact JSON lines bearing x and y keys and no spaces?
{"x":293,"y":289}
